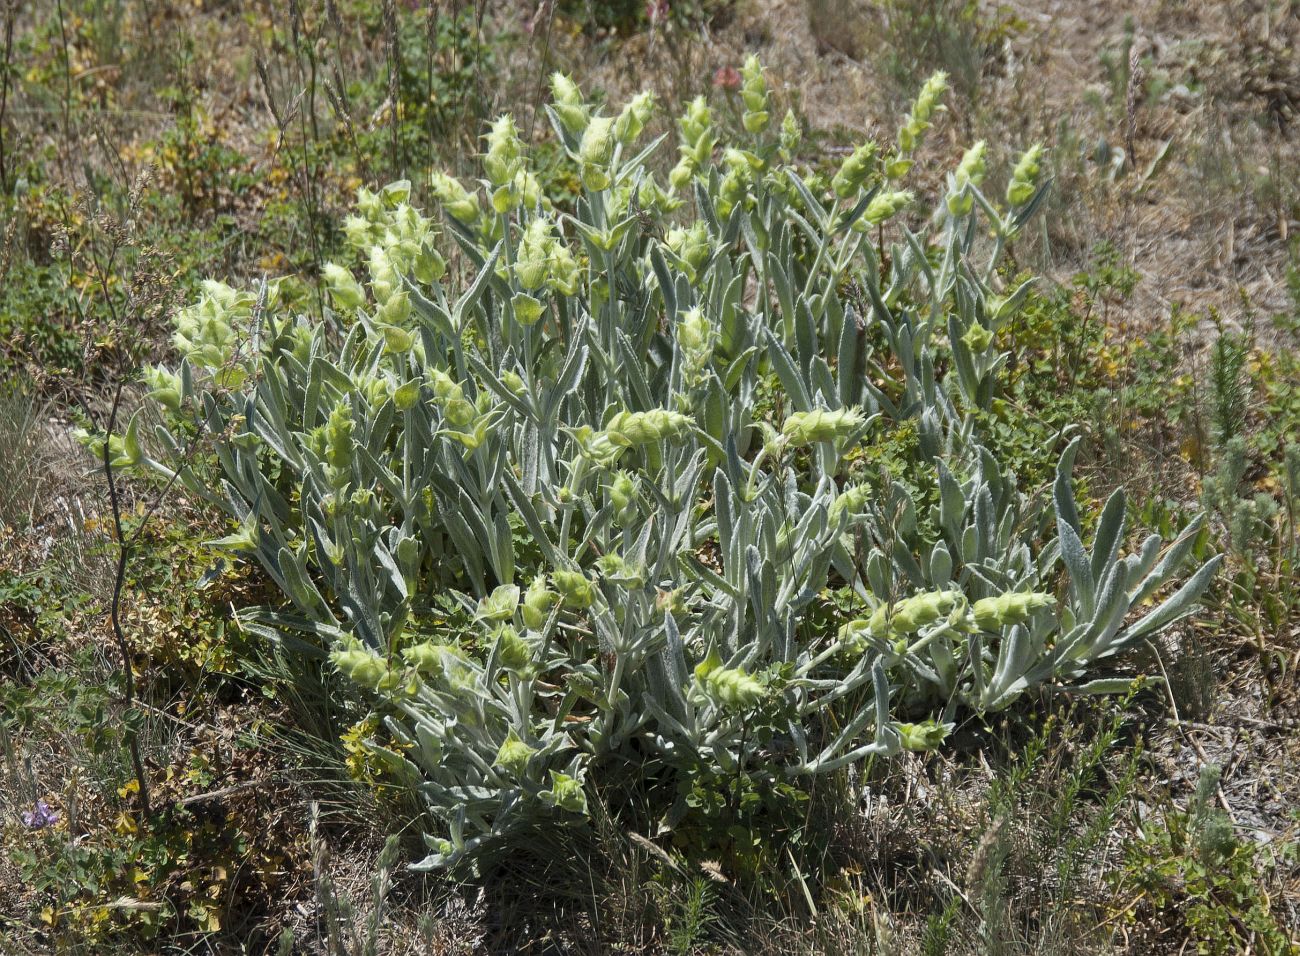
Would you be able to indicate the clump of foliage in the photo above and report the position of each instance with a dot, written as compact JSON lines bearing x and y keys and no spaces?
{"x":94,"y":874}
{"x":1193,"y":862}
{"x":625,"y":448}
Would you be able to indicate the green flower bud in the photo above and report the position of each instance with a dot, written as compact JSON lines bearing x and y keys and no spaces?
{"x":364,"y":668}
{"x":691,"y":247}
{"x":527,"y":308}
{"x":407,"y":550}
{"x":427,"y":657}
{"x":459,"y":412}
{"x":651,"y":197}
{"x":733,"y":190}
{"x":298,"y":341}
{"x":444,"y":387}
{"x":897,"y":166}
{"x":927,"y":735}
{"x":374,"y":388}
{"x":925,"y":609}
{"x":911,"y":614}
{"x":681,"y":174}
{"x":695,"y":340}
{"x":917,"y":122}
{"x":500,"y":604}
{"x":575,"y":588}
{"x":970,"y":172}
{"x":742,"y":160}
{"x":987,"y":613}
{"x":635,"y":115}
{"x":564,"y":274}
{"x":538,"y":248}
{"x":697,"y":142}
{"x":622,"y":492}
{"x":514,"y":382}
{"x":853,"y":635}
{"x":164,"y":387}
{"x":694,"y":333}
{"x":596,"y":151}
{"x":345,"y":291}
{"x":960,"y":204}
{"x":697,"y":120}
{"x":755,"y":122}
{"x":406,"y":396}
{"x":1004,"y":610}
{"x":504,"y":156}
{"x":396,"y":193}
{"x":338,"y":436}
{"x":753,"y":88}
{"x":791,"y":136}
{"x":850,"y":502}
{"x":384,"y":280}
{"x":619,"y":570}
{"x":753,"y":92}
{"x":736,"y":689}
{"x":397,"y":341}
{"x":538,"y":601}
{"x":369,"y":204}
{"x":455,"y":198}
{"x":505,"y":198}
{"x":628,"y":429}
{"x":972,"y":167}
{"x":854,"y":171}
{"x":702,"y":151}
{"x":1024,"y":177}
{"x":977,"y":338}
{"x":513,"y":755}
{"x":566,"y":793}
{"x":598,"y":447}
{"x":360,"y":233}
{"x":805,"y":428}
{"x":927,"y":101}
{"x":568,"y":103}
{"x":206,"y":331}
{"x":885,"y":206}
{"x":512,"y":650}
{"x":729,"y":686}
{"x":597,"y":146}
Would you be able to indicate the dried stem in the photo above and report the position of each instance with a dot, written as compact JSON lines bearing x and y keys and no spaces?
{"x":115,"y":616}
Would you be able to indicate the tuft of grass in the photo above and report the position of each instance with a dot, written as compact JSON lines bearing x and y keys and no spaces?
{"x":27,"y":460}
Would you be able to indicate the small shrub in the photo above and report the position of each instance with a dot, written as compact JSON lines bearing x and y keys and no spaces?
{"x":625,"y":451}
{"x":1191,"y":864}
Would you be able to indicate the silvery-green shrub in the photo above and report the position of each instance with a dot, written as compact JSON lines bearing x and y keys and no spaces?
{"x":622,"y":443}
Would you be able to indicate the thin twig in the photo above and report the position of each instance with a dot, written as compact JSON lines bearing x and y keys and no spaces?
{"x":216,"y":794}
{"x":10,"y":15}
{"x":119,"y":581}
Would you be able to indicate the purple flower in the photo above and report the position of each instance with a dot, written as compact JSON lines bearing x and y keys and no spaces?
{"x":39,"y":818}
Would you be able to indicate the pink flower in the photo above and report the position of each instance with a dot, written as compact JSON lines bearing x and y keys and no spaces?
{"x":727,"y":78}
{"x":656,"y":10}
